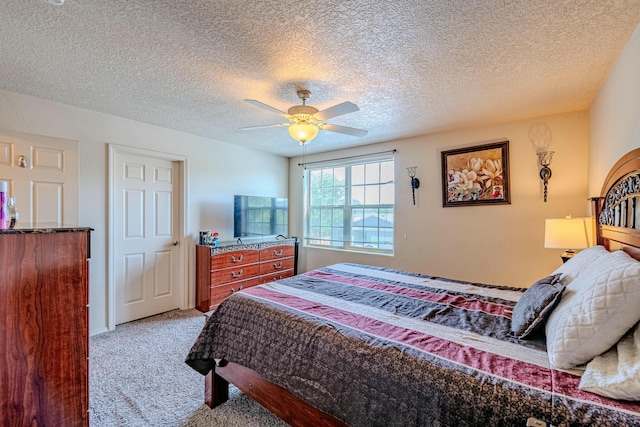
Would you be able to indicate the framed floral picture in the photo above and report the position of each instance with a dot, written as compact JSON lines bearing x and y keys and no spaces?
{"x":476,"y":175}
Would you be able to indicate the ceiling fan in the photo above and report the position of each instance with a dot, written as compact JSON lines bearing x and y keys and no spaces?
{"x":305,"y":120}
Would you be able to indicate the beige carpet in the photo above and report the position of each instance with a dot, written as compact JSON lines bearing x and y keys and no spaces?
{"x":138,"y":378}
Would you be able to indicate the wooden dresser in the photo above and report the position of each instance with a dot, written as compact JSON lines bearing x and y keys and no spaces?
{"x":44,"y":338}
{"x":225,"y":269}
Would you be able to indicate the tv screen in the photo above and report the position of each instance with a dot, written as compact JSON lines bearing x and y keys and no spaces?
{"x":257,"y":216}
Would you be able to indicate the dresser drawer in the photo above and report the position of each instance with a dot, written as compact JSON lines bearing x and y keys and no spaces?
{"x":234,"y":258}
{"x":239,"y":272}
{"x":275,"y":252}
{"x":276,"y":265}
{"x":219,"y":293}
{"x":276,"y":276}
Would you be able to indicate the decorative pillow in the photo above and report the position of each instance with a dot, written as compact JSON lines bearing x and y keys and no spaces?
{"x":616,"y":373}
{"x":535,"y":305}
{"x":598,"y":307}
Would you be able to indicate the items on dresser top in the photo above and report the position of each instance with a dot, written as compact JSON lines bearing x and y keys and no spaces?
{"x":223,"y":270}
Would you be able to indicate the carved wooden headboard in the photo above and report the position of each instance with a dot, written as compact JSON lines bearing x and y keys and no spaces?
{"x":617,"y":210}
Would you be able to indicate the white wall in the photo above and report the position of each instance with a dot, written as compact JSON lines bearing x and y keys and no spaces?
{"x":499,"y":244}
{"x":615,"y":115}
{"x":217,"y":171}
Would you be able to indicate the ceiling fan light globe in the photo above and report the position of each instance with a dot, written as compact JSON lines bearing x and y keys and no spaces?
{"x":303,"y":132}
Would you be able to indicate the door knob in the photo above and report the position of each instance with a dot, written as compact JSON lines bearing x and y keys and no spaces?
{"x":174,"y":243}
{"x":22,"y":161}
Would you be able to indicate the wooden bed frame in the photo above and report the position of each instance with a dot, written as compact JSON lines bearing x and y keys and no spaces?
{"x":617,"y":210}
{"x":617,"y":213}
{"x":278,"y":400}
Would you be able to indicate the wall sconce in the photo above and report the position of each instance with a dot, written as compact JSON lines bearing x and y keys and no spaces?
{"x":545,"y":173}
{"x":415,"y":182}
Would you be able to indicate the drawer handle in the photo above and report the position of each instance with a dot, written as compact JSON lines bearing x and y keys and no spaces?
{"x":277,"y":253}
{"x":276,"y":278}
{"x":236,"y":275}
{"x":239,"y":289}
{"x":233,"y":258}
{"x":277,"y":266}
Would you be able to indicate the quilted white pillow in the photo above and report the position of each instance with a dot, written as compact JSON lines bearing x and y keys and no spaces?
{"x":599,"y":306}
{"x":616,"y":373}
{"x":571,"y":269}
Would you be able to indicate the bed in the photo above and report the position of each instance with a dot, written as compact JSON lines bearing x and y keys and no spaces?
{"x":359,"y":345}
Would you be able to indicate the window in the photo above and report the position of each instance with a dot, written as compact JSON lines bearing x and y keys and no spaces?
{"x":351,"y":206}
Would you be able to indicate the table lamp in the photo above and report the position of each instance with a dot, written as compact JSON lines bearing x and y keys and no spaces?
{"x":568,"y":234}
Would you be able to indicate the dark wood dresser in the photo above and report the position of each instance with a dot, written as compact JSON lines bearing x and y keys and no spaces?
{"x":222,"y":270}
{"x":44,"y":338}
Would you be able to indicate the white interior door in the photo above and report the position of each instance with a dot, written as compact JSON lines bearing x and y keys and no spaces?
{"x":146,"y":236}
{"x":42,"y":173}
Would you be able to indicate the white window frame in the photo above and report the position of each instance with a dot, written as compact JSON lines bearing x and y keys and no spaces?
{"x":345,"y":243}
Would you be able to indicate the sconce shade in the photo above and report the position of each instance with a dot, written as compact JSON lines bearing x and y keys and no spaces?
{"x":568,"y":233}
{"x":303,"y":132}
{"x":545,"y":157}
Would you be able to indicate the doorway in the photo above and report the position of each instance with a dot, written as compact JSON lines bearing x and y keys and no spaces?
{"x":146,"y":233}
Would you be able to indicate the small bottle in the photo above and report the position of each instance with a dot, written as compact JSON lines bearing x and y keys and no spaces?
{"x":13,"y":212}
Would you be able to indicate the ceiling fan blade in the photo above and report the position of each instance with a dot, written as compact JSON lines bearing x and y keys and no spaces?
{"x":264,"y":126}
{"x":343,"y":129}
{"x":266,"y":107}
{"x":337,"y":110}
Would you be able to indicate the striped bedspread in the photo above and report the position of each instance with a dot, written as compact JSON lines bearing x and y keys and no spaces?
{"x":375,"y":346}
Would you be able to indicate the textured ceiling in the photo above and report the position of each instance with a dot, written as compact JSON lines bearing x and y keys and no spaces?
{"x":412,"y":66}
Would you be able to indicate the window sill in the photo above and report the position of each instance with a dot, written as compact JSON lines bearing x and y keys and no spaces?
{"x":353,"y":251}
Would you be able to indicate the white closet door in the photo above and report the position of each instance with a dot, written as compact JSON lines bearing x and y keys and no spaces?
{"x":146,"y":262}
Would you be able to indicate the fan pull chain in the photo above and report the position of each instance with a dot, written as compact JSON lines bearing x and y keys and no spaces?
{"x":304,"y":158}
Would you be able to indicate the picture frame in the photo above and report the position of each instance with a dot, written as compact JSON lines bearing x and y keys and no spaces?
{"x":477,"y":175}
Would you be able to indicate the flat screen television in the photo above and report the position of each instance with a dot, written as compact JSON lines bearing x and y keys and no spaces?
{"x":259,"y":216}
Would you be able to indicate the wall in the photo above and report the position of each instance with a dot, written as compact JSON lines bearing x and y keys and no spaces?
{"x":499,"y":244}
{"x":495,"y":244}
{"x":615,"y":114}
{"x":216,"y":171}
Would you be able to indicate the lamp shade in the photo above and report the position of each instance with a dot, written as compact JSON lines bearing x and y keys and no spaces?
{"x":568,"y":233}
{"x":303,"y":132}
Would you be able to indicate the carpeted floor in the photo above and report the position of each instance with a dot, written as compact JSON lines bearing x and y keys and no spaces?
{"x":138,"y":378}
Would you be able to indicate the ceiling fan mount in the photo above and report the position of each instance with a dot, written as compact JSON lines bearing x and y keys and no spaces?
{"x":303,"y":94}
{"x":305,"y":121}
